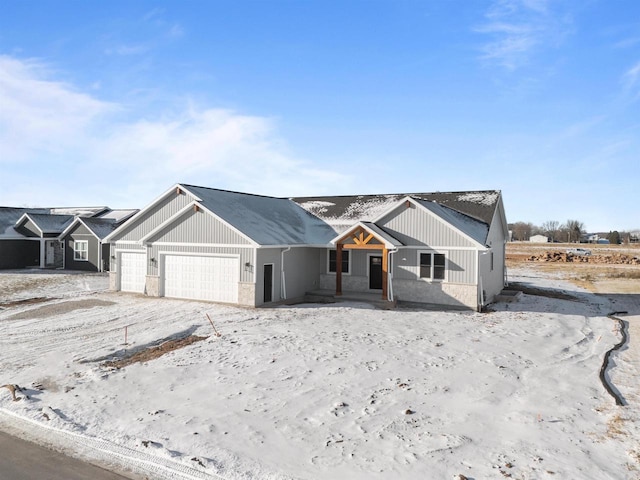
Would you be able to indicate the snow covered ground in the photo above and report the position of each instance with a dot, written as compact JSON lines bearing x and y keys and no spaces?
{"x":321,"y":391}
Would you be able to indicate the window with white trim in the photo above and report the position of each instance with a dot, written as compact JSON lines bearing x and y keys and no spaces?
{"x":332,"y":261}
{"x":81,"y":250}
{"x":433,"y":266}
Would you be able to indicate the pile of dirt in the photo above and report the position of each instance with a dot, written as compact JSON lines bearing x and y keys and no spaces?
{"x":566,"y":257}
{"x":154,"y":352}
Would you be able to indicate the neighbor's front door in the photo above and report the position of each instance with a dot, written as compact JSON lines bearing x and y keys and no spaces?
{"x":375,"y":272}
{"x":50,"y":256}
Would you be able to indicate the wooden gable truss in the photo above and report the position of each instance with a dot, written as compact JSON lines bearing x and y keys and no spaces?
{"x":359,"y":237}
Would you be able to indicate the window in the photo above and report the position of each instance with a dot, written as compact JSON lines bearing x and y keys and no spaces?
{"x":432,"y":266}
{"x":81,"y":250}
{"x":345,"y":261}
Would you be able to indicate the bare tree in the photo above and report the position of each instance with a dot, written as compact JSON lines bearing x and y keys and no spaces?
{"x":573,"y":229}
{"x":551,"y":229}
{"x":521,"y":230}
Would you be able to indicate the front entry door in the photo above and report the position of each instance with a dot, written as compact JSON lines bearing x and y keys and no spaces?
{"x":375,"y":273}
{"x":268,"y":283}
{"x":50,"y":255}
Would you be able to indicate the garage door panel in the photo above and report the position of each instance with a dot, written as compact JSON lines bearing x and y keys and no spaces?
{"x":132,"y":272}
{"x":201,"y":277}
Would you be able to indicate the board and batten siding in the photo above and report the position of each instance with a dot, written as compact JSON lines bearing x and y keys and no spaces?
{"x":302,"y":270}
{"x":80,"y":232}
{"x":138,"y":227}
{"x":461,"y":265}
{"x":120,"y":247}
{"x":302,"y":267}
{"x":493,"y":279}
{"x":30,"y":228}
{"x":414,"y":226}
{"x":198,"y":227}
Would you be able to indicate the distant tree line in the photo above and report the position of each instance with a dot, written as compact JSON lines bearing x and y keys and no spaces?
{"x":569,"y":231}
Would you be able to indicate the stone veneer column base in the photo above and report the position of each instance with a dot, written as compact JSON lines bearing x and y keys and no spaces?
{"x":152,"y":286}
{"x":247,"y":294}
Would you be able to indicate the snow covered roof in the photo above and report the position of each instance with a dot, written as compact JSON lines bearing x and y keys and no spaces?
{"x":265,"y":220}
{"x":118,"y":215}
{"x":78,"y":211}
{"x":343,"y":211}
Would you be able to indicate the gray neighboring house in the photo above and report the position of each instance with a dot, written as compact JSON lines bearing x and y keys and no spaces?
{"x":16,"y":250}
{"x":82,"y":240}
{"x":41,"y":237}
{"x":208,"y":244}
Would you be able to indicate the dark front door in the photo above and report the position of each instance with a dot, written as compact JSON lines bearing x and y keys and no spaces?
{"x":375,"y":273}
{"x":268,"y":283}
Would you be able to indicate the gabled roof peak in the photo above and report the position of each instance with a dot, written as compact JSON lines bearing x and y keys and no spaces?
{"x":188,"y":186}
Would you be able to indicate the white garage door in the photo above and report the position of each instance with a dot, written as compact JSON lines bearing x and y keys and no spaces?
{"x":201,"y":278}
{"x":133,"y":270}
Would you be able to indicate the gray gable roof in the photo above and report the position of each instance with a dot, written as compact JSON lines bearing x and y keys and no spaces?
{"x":51,"y":223}
{"x":265,"y":220}
{"x":101,"y":227}
{"x":10,"y":215}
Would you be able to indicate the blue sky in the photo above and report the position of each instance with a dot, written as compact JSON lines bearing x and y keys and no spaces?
{"x":111,"y":103}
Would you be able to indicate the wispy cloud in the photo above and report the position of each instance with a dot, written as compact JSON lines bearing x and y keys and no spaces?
{"x":44,"y":123}
{"x":632,"y":76}
{"x":41,"y":115}
{"x":518,"y":29}
{"x":631,"y":82}
{"x":127,"y":50}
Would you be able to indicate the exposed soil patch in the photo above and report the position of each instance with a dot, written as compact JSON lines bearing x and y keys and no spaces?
{"x":60,"y":308}
{"x":154,"y":352}
{"x":26,"y":301}
{"x":543,"y":292}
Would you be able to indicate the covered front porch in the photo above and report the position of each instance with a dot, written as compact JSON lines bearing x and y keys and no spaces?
{"x":379,"y":245}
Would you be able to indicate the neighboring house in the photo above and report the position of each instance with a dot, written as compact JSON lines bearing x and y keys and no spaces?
{"x":45,"y":228}
{"x":82,"y":240}
{"x":208,"y":244}
{"x":36,"y":237}
{"x":16,"y":250}
{"x":539,"y":239}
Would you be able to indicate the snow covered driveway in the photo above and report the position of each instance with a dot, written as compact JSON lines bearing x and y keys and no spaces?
{"x":316,"y":391}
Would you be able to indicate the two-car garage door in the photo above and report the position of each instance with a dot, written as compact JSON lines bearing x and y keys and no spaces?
{"x":201,"y":277}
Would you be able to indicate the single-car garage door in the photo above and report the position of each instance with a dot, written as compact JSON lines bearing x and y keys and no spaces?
{"x":201,"y":278}
{"x":132,"y":271}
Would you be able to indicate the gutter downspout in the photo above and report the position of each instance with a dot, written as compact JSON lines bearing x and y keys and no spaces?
{"x":283,"y":286}
{"x":478,"y":282}
{"x":390,"y":275}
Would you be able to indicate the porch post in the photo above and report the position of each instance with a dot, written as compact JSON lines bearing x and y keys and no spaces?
{"x":385,"y":268}
{"x":42,"y":253}
{"x":338,"y":269}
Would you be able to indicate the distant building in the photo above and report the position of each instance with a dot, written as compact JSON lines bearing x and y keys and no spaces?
{"x":539,"y":239}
